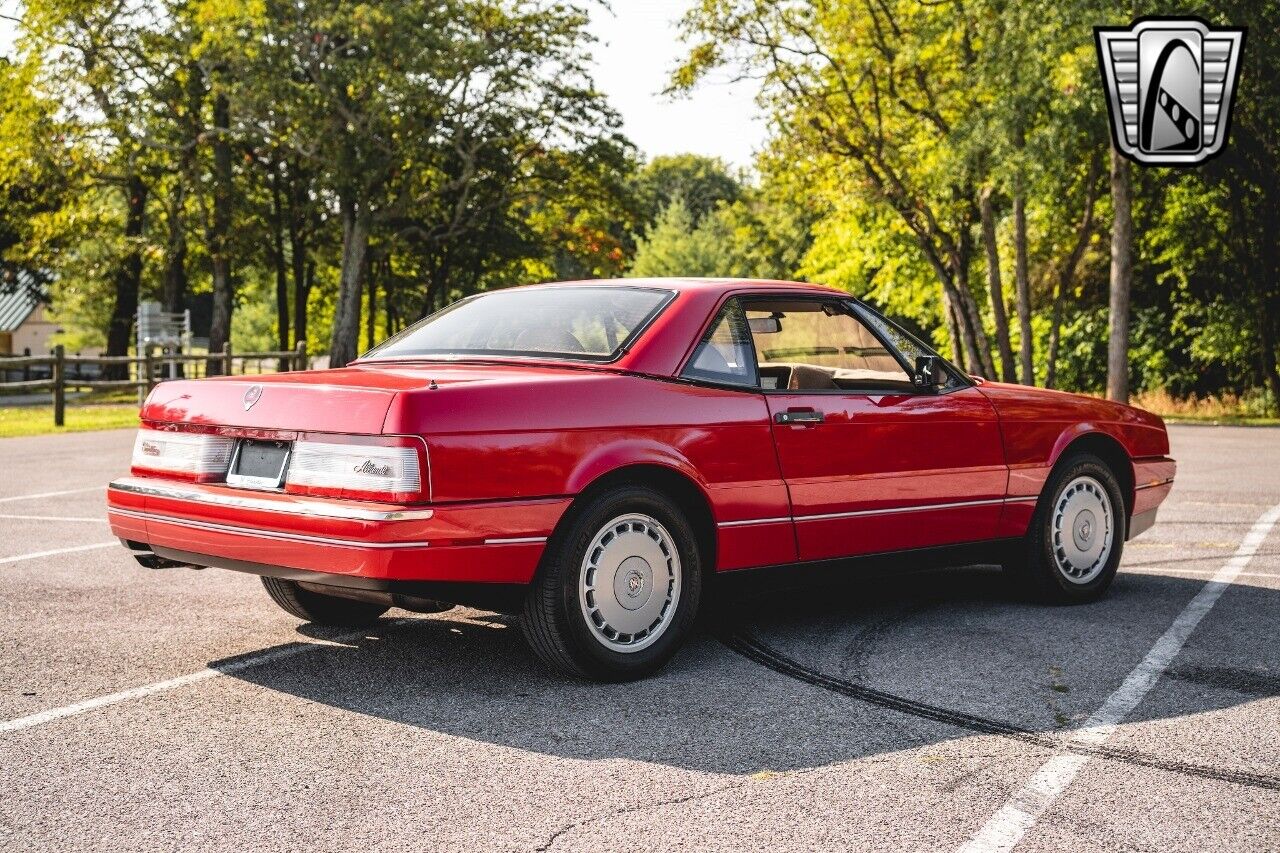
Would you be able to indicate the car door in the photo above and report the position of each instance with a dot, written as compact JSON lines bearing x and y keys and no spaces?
{"x":872,"y":463}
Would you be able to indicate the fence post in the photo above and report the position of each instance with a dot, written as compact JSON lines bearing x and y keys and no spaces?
{"x":149,"y":364}
{"x":59,"y":386}
{"x":226,"y":356}
{"x":300,"y":360}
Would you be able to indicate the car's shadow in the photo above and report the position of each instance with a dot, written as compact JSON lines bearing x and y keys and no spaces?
{"x":958,"y":641}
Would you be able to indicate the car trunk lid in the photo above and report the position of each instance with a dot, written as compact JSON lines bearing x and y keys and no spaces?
{"x":346,"y":400}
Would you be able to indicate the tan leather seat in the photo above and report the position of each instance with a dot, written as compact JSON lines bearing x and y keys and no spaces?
{"x":807,"y":378}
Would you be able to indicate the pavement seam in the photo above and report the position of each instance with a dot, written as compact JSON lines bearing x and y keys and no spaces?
{"x":750,"y":647}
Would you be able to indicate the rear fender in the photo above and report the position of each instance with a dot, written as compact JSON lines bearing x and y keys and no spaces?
{"x":608,"y":458}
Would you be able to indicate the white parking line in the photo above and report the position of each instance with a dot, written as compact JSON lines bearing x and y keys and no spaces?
{"x":1007,"y":826}
{"x":55,"y":518}
{"x":237,"y":665}
{"x":38,"y":554}
{"x":50,"y":494}
{"x":1204,"y":573}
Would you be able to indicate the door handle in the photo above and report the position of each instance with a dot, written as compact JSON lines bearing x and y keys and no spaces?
{"x":799,"y":416}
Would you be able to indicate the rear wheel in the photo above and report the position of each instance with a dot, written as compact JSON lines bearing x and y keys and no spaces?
{"x":1077,"y":534}
{"x":618,"y":589}
{"x":319,"y":608}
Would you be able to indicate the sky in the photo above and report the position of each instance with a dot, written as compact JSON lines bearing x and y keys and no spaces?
{"x":638,"y":48}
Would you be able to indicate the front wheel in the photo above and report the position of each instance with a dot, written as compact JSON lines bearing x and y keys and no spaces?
{"x":618,"y":589}
{"x":1077,"y":534}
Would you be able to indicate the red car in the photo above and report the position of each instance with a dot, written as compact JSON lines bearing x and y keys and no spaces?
{"x":590,"y":454}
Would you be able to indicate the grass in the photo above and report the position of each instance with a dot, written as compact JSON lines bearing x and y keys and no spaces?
{"x":1223,"y":409}
{"x":81,"y":416}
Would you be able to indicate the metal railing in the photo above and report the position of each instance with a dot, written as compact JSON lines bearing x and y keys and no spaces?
{"x":58,"y":372}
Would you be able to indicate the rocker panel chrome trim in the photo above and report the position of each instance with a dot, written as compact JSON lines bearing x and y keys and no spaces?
{"x":889,"y":511}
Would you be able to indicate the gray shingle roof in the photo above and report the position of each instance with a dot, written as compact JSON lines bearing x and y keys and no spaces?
{"x":17,"y":302}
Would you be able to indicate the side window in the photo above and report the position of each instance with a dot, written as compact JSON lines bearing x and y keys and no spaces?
{"x":812,"y":345}
{"x":724,"y":355}
{"x":905,"y":344}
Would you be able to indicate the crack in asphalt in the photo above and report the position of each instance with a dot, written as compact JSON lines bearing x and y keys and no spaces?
{"x":673,"y":801}
{"x":750,"y":646}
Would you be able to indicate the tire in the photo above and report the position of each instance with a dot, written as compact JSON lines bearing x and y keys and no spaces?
{"x":1077,"y":534}
{"x":626,"y":563}
{"x":319,"y":608}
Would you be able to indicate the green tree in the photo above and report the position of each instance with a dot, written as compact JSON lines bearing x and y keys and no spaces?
{"x":398,"y":106}
{"x":679,"y":245}
{"x":869,"y":91}
{"x":702,"y":184}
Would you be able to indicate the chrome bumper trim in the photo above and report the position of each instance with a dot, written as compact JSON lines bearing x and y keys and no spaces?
{"x":1154,"y":484}
{"x":317,"y":509}
{"x":516,"y":540}
{"x":261,"y":533}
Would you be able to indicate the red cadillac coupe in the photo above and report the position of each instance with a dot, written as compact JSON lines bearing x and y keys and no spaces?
{"x":590,"y":454}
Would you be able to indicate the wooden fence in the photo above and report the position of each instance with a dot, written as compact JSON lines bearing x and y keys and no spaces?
{"x":147,"y":370}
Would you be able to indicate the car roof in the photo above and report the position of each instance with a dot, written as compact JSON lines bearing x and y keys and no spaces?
{"x":660,"y":348}
{"x":681,"y":283}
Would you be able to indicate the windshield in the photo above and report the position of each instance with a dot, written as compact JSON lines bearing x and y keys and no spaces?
{"x":582,"y":323}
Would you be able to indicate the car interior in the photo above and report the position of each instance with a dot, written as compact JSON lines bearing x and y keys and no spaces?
{"x":797,"y":345}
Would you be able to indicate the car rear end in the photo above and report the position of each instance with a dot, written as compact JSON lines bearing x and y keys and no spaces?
{"x":292,"y":477}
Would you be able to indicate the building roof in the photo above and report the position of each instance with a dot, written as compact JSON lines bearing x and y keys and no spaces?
{"x":17,"y":301}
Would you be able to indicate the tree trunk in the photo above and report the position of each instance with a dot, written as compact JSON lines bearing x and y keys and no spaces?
{"x":175,"y":261}
{"x":298,"y":252}
{"x":371,"y":318}
{"x":1121,"y":279}
{"x":346,"y":320}
{"x":219,"y":235}
{"x":278,"y":261}
{"x":127,"y":277}
{"x":953,"y":329}
{"x":1269,"y":368}
{"x":1022,"y":284}
{"x":981,"y":344}
{"x":987,"y":209}
{"x":1068,"y":270}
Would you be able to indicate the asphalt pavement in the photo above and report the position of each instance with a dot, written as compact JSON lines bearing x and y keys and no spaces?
{"x":180,"y":710}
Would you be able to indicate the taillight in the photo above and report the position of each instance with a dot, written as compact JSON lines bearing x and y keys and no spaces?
{"x":366,"y":468}
{"x":199,"y":457}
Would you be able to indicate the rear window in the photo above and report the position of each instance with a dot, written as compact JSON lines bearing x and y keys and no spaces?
{"x":577,"y":323}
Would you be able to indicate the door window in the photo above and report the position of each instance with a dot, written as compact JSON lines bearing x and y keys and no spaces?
{"x":814,"y":345}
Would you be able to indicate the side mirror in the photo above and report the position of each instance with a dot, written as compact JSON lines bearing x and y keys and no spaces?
{"x":928,"y":373}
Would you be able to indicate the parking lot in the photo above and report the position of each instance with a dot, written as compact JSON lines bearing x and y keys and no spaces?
{"x":181,"y":709}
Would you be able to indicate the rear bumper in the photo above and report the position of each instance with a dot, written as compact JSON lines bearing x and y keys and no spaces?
{"x":498,"y":543}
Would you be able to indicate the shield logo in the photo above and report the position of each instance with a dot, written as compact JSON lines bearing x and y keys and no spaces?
{"x":1169,"y":84}
{"x":252,"y":396}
